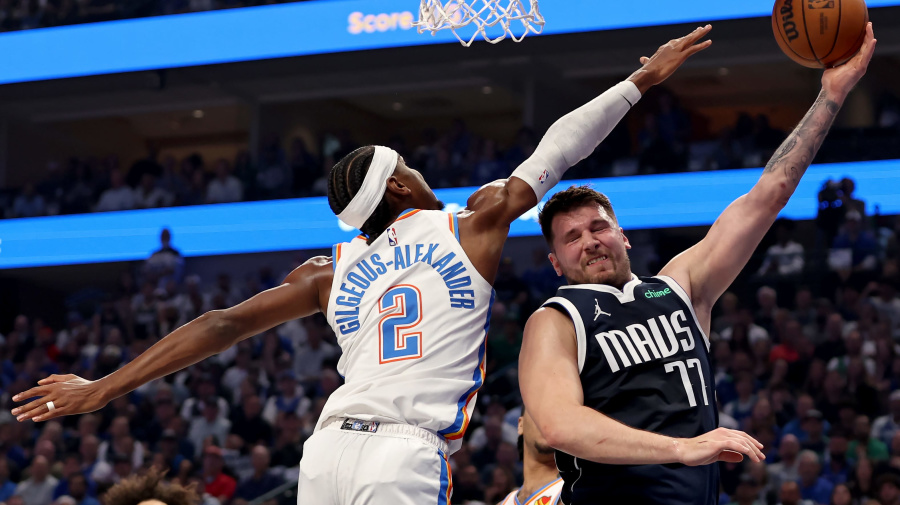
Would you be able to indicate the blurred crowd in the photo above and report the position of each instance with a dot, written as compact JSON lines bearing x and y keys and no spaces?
{"x":30,"y":14}
{"x":666,"y":142}
{"x":805,"y":352}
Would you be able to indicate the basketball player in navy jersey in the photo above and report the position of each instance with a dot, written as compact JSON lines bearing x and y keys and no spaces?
{"x":615,"y":369}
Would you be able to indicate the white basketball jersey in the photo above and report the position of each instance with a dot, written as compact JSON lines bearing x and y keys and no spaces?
{"x":547,"y":495}
{"x":410,"y":313}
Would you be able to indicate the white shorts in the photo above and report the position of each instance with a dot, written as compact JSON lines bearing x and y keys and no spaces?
{"x":398,"y":464}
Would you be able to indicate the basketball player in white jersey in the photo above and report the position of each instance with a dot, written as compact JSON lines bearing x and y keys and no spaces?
{"x":615,"y":369}
{"x":542,"y":483}
{"x":408,"y":301}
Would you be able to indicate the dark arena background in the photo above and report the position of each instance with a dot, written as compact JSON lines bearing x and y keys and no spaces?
{"x":163,"y":158}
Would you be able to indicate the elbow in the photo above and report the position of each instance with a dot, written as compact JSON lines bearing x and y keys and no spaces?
{"x":222,"y":329}
{"x":771,"y":197}
{"x":554,"y":434}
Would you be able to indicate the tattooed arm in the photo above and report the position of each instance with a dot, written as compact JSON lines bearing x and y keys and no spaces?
{"x":706,"y":270}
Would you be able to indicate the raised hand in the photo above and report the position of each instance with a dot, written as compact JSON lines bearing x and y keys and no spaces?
{"x":70,"y":395}
{"x":720,"y":444}
{"x":669,"y":57}
{"x":838,"y":81}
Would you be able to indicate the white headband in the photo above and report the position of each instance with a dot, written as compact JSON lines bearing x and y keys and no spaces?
{"x":370,"y":194}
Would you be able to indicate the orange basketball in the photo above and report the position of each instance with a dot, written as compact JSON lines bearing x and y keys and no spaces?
{"x":820,"y":33}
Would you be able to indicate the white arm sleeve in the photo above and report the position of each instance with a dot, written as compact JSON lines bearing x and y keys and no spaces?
{"x":574,"y":137}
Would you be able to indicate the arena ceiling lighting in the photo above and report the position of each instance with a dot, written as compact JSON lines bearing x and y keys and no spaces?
{"x":294,"y":29}
{"x":641,"y":202}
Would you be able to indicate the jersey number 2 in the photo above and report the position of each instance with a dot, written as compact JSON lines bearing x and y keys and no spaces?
{"x":402,"y":306}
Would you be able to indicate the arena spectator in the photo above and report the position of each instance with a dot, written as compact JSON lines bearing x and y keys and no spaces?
{"x":743,"y":330}
{"x":787,"y":467}
{"x":121,"y":443}
{"x":210,"y":424}
{"x":785,"y":257}
{"x":852,"y":349}
{"x":38,"y":488}
{"x":166,"y":263}
{"x":118,"y":197}
{"x":216,"y":482}
{"x":95,"y":468}
{"x":224,"y":187}
{"x":501,"y":484}
{"x":261,"y":482}
{"x":203,"y":387}
{"x":304,"y":167}
{"x":288,"y":447}
{"x":747,"y":492}
{"x":885,"y":427}
{"x":149,"y":195}
{"x":813,"y":424}
{"x":863,"y":445}
{"x":274,"y":176}
{"x":28,"y":203}
{"x":78,"y":489}
{"x":790,"y":495}
{"x":888,"y":488}
{"x":238,"y":372}
{"x":7,"y":486}
{"x":856,"y":244}
{"x":309,"y":358}
{"x":813,"y":487}
{"x":248,"y":422}
{"x":741,"y":407}
{"x":837,"y":467}
{"x":290,"y":398}
{"x":175,"y":449}
{"x":885,"y":300}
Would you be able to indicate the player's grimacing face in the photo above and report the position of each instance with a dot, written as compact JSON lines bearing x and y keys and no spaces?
{"x":590,"y":248}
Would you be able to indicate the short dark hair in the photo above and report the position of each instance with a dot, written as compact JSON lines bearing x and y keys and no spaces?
{"x":568,"y":200}
{"x":344,"y":181}
{"x":140,"y":488}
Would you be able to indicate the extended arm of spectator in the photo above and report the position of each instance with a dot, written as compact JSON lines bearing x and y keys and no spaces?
{"x":552,"y":393}
{"x":707,"y":269}
{"x":303,"y":292}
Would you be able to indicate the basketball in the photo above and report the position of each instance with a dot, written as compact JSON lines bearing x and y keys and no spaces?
{"x":820,"y":33}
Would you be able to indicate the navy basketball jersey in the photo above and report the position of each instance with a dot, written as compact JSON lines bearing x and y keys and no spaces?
{"x":643,"y":361}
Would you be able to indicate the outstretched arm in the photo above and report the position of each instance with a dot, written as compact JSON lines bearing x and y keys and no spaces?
{"x":303,"y":293}
{"x":551,"y":389}
{"x":574,"y":137}
{"x":490,"y":210}
{"x":707,"y":269}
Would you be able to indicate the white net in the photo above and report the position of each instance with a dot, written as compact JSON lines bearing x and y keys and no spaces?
{"x":470,"y":18}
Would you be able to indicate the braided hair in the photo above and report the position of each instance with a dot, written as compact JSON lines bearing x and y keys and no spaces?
{"x":345,"y":180}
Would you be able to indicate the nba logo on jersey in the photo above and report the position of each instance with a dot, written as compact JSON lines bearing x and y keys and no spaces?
{"x":392,"y":237}
{"x":544,"y":175}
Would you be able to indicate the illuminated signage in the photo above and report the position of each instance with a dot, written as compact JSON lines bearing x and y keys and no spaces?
{"x":295,"y":29}
{"x":641,"y":202}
